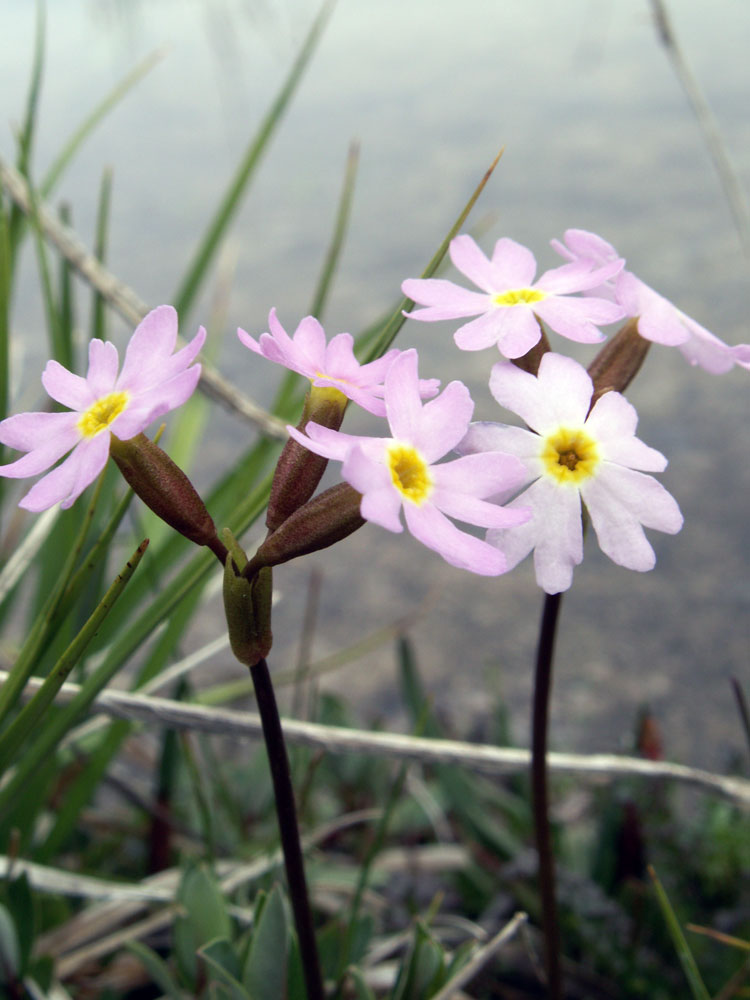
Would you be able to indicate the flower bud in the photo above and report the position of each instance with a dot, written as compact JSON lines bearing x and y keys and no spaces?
{"x":329,"y":517}
{"x":618,"y":362}
{"x":298,"y":470}
{"x":247,"y":606}
{"x":165,"y":488}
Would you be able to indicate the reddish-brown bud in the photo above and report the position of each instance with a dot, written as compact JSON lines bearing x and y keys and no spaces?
{"x":329,"y":517}
{"x":299,"y":470}
{"x":165,"y":488}
{"x":618,"y":362}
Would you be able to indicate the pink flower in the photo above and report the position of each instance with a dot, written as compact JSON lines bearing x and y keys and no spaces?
{"x":399,"y":473}
{"x":658,"y":319}
{"x":511,"y":302}
{"x":330,"y":365}
{"x":570,"y":456}
{"x":153,"y":381}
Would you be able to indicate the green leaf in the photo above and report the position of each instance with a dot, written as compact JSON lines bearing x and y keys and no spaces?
{"x":21,"y":906}
{"x":689,"y":967}
{"x":206,"y":907}
{"x":361,"y":990}
{"x":28,"y":718}
{"x":224,"y":963}
{"x":10,"y":955}
{"x":265,"y":972}
{"x":157,"y":968}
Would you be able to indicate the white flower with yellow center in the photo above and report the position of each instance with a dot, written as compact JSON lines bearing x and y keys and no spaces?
{"x":153,"y":380}
{"x":402,"y":472}
{"x":573,"y":456}
{"x":511,"y":302}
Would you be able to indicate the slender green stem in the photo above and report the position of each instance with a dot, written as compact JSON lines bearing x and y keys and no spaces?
{"x":287,"y":816}
{"x":542,"y":690}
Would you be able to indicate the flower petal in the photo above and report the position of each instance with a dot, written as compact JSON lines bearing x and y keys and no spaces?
{"x":442,"y":299}
{"x":66,"y":388}
{"x":403,"y":404}
{"x":554,"y":532}
{"x":469,"y":260}
{"x":434,"y":530}
{"x":66,"y":482}
{"x":513,"y":265}
{"x":442,"y":422}
{"x":576,"y":319}
{"x":480,"y":475}
{"x":619,"y":502}
{"x":560,"y":394}
{"x":612,"y":422}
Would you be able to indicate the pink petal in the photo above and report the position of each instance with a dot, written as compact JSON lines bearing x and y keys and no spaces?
{"x":612,"y":422}
{"x":521,"y":331}
{"x":434,"y":530}
{"x":340,"y":360}
{"x":249,"y":341}
{"x":442,"y":422}
{"x":310,"y":344}
{"x":103,"y":365}
{"x":583,"y":245}
{"x":469,"y":259}
{"x":443,"y":299}
{"x":26,"y":431}
{"x":513,"y":265}
{"x":619,"y":502}
{"x":659,"y":320}
{"x":66,"y":388}
{"x":484,"y":331}
{"x":403,"y":404}
{"x":381,"y":502}
{"x":559,"y":395}
{"x":711,"y":354}
{"x":480,"y":475}
{"x":481,"y":513}
{"x":554,"y":532}
{"x":152,"y":342}
{"x":576,"y":318}
{"x":66,"y":482}
{"x":147,"y":406}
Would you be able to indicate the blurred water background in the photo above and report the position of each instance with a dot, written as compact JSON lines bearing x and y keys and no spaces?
{"x":597,"y":135}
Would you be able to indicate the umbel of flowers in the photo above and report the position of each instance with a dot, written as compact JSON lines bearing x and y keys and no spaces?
{"x":430,"y":470}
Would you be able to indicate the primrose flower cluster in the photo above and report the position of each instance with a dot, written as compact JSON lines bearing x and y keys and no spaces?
{"x":528,"y":488}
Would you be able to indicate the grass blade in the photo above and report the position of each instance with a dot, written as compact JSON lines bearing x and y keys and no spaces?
{"x":29,"y":716}
{"x":340,"y":227}
{"x":99,"y":304}
{"x":26,"y":135}
{"x":381,"y":343}
{"x":191,"y":284}
{"x":689,"y":967}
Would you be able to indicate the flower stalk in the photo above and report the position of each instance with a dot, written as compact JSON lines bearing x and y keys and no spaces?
{"x":288,"y":828}
{"x":540,"y":799}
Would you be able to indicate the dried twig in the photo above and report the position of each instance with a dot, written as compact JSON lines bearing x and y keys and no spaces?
{"x":336,"y":739}
{"x":481,"y":957}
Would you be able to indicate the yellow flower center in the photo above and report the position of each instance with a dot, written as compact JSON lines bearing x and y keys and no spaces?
{"x":570,"y":456}
{"x":100,"y":414}
{"x":518,"y":297}
{"x":410,"y":473}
